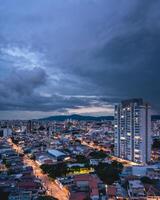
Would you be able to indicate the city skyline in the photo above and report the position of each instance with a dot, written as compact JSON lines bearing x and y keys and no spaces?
{"x":77,"y":57}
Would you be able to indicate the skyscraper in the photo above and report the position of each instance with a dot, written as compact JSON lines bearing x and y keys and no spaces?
{"x":29,"y":126}
{"x":133,"y":130}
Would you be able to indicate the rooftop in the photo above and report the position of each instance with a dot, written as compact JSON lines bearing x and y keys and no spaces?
{"x":55,"y":152}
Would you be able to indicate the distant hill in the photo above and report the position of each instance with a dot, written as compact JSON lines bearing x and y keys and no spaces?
{"x":78,"y":118}
{"x":86,"y":118}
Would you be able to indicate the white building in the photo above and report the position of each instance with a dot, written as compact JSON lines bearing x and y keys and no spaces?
{"x":58,"y":155}
{"x":133,"y":130}
{"x":45,"y":160}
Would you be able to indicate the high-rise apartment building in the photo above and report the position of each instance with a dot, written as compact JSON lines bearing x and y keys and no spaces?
{"x":29,"y":126}
{"x":133,"y":130}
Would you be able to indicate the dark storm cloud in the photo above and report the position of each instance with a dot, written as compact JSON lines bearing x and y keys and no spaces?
{"x":20,"y":90}
{"x":134,"y":55}
{"x":59,"y":55}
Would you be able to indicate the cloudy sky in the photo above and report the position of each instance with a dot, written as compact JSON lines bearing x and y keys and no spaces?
{"x":77,"y":56}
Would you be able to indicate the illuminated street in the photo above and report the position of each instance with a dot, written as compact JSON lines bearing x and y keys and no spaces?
{"x":124,"y":162}
{"x":51,"y":187}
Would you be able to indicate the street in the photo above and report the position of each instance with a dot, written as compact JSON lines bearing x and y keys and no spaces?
{"x":51,"y":187}
{"x":124,"y":162}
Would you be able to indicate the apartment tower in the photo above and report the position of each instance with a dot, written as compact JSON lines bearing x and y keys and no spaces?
{"x":133,"y":130}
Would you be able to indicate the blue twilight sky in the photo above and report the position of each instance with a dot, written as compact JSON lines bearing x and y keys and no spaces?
{"x":77,"y":56}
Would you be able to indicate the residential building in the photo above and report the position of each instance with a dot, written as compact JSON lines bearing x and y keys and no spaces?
{"x":136,"y":189}
{"x":133,"y":130}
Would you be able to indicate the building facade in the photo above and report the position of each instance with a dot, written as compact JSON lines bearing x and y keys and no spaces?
{"x":133,"y":130}
{"x":156,"y":126}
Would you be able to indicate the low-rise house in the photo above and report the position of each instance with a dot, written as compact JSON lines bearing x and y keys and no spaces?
{"x":22,"y":195}
{"x":152,"y":191}
{"x":89,"y":184}
{"x":94,"y":162}
{"x":136,"y":189}
{"x":111,"y":192}
{"x":153,"y":173}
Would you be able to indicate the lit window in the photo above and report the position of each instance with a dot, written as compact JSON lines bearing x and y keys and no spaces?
{"x":137,"y":137}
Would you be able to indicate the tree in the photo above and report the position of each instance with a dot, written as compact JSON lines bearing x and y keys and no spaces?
{"x":156,"y":143}
{"x":15,"y":141}
{"x":4,"y":195}
{"x":98,"y":154}
{"x":146,"y":180}
{"x":55,"y":171}
{"x":117,"y":166}
{"x":109,"y":173}
{"x":112,"y":147}
{"x":33,"y":157}
{"x":82,"y":159}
